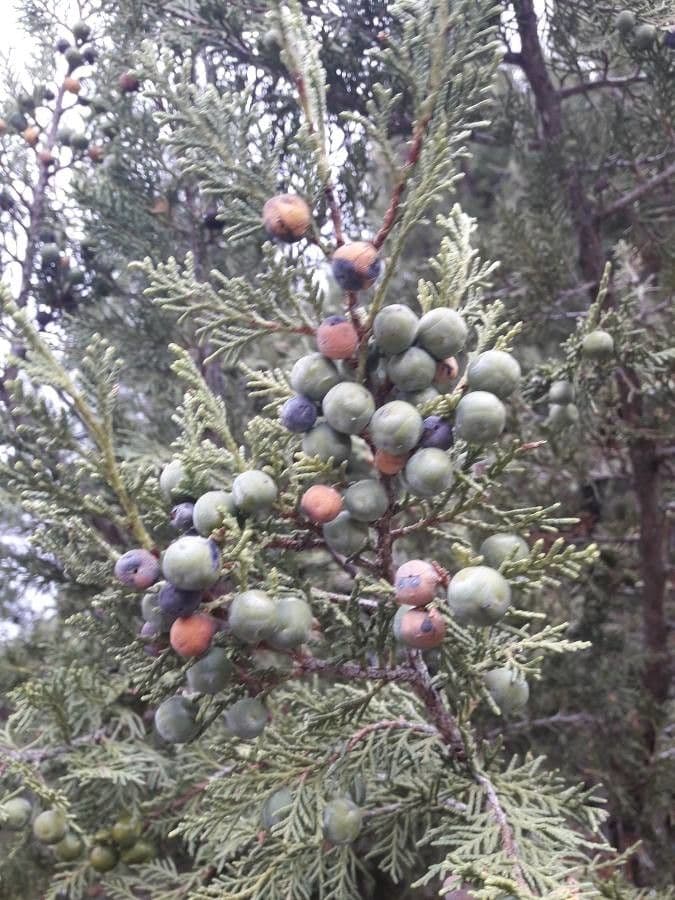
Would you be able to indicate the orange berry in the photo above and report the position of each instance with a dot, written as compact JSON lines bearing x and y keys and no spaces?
{"x":45,"y":157}
{"x":286,"y":217}
{"x":31,"y":135}
{"x":337,"y":338}
{"x":389,"y":463}
{"x":72,"y":85}
{"x":356,"y":265}
{"x":321,"y":504}
{"x":3,"y":127}
{"x":95,"y":153}
{"x":422,"y":628}
{"x":192,"y":636}
{"x":416,"y":582}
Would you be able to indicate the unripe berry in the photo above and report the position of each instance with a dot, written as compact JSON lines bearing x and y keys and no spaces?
{"x":437,"y":433}
{"x":69,"y":848}
{"x":286,"y":217}
{"x":416,"y":582}
{"x":412,"y":370}
{"x":342,"y":820}
{"x":394,"y":328}
{"x":396,"y":427}
{"x":174,"y":602}
{"x":494,"y":371}
{"x":191,"y":563}
{"x":246,"y":718}
{"x":50,"y":826}
{"x":103,"y":858}
{"x":298,"y":414}
{"x":254,"y":492}
{"x":253,"y":616}
{"x":313,"y":376}
{"x":326,"y":443}
{"x":499,"y":547}
{"x":441,"y":332}
{"x":388,"y":463}
{"x":173,"y":481}
{"x":294,"y":622}
{"x":192,"y":636}
{"x":137,"y":569}
{"x":126,"y":831}
{"x":211,"y":673}
{"x":562,"y":416}
{"x":337,"y":338}
{"x":209,"y":511}
{"x":428,"y":472}
{"x":561,"y":392}
{"x":625,"y":21}
{"x":421,"y":629}
{"x":140,"y":852}
{"x":15,"y":814}
{"x":645,"y":36}
{"x":276,"y":807}
{"x":598,"y":345}
{"x":508,"y":689}
{"x":348,"y":407}
{"x":479,"y":418}
{"x":321,"y":503}
{"x":345,"y":535}
{"x":478,"y":595}
{"x":176,"y":720}
{"x":366,"y":500}
{"x":356,"y":265}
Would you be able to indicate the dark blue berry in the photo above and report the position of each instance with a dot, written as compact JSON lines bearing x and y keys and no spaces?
{"x":669,"y":40}
{"x":437,"y":433}
{"x":175,"y":602}
{"x":298,"y":414}
{"x":181,"y":516}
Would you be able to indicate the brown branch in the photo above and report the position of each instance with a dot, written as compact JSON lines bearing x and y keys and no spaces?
{"x":645,"y":188}
{"x":586,"y":86}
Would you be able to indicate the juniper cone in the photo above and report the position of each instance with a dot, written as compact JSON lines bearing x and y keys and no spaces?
{"x":300,"y":591}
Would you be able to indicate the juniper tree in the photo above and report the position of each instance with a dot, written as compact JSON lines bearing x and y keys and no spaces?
{"x":376,"y":762}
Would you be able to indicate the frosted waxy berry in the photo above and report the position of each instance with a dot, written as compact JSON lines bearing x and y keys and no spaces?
{"x":645,"y":36}
{"x":286,"y":218}
{"x":441,"y":332}
{"x":416,"y":582}
{"x":181,"y":516}
{"x":419,"y":398}
{"x":420,"y":628}
{"x":294,"y":622}
{"x":50,"y":826}
{"x":494,"y":371}
{"x":348,"y":407}
{"x":479,"y":418}
{"x":342,"y":820}
{"x":561,"y":392}
{"x":173,"y":481}
{"x":192,"y":635}
{"x":337,"y":338}
{"x":211,"y":673}
{"x":396,"y":427}
{"x":508,"y":689}
{"x":253,"y":616}
{"x":625,"y":22}
{"x":209,"y":511}
{"x":69,"y":848}
{"x":254,"y":491}
{"x":356,"y":265}
{"x":313,"y":376}
{"x":139,"y":852}
{"x":191,"y":563}
{"x":103,"y":858}
{"x":176,"y":720}
{"x":15,"y":813}
{"x":412,"y":370}
{"x":394,"y":328}
{"x":327,"y":443}
{"x":345,"y":535}
{"x":437,"y":433}
{"x":366,"y":500}
{"x":321,"y":504}
{"x":174,"y":602}
{"x":478,"y":595}
{"x":562,"y":416}
{"x":598,"y":345}
{"x":126,"y":831}
{"x":246,"y":718}
{"x":137,"y":569}
{"x":389,"y":463}
{"x":298,"y":414}
{"x":276,"y":807}
{"x":502,"y":546}
{"x":428,"y":472}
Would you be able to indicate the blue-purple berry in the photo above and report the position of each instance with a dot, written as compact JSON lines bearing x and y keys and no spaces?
{"x":181,"y":516}
{"x":437,"y":433}
{"x":298,"y":414}
{"x":174,"y":602}
{"x":137,"y":569}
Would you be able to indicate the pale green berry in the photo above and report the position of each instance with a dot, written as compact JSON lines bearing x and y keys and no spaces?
{"x":313,"y":376}
{"x":246,"y":718}
{"x":348,"y":407}
{"x":366,"y":500}
{"x":478,"y":595}
{"x":254,"y":492}
{"x":342,"y":820}
{"x":394,"y":328}
{"x":508,"y":689}
{"x":191,"y":563}
{"x":326,"y":443}
{"x":253,"y":616}
{"x":211,"y":673}
{"x":396,"y":427}
{"x":497,"y":548}
{"x":412,"y":370}
{"x":345,"y":535}
{"x":209,"y":510}
{"x":176,"y":720}
{"x":428,"y":472}
{"x":479,"y":418}
{"x":293,"y":623}
{"x":50,"y":826}
{"x":494,"y":371}
{"x":441,"y":332}
{"x":276,"y":807}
